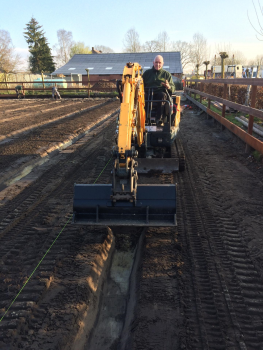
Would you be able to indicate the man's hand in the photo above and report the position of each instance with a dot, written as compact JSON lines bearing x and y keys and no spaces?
{"x":166,"y":85}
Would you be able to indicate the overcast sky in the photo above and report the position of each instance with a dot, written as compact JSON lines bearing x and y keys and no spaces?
{"x":106,"y":22}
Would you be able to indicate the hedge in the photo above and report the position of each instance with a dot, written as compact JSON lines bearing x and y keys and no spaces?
{"x":235,"y":93}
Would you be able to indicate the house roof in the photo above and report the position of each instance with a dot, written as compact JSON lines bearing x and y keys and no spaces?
{"x":113,"y":63}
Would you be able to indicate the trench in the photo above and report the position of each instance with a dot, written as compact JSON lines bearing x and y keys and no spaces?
{"x":117,"y":300}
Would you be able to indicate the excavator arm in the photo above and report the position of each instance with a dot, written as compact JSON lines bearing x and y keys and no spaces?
{"x":126,"y":202}
{"x":131,"y":125}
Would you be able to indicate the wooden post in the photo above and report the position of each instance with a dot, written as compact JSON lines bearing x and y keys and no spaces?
{"x":201,"y":90}
{"x":251,"y":117}
{"x":209,"y":100}
{"x":252,"y":105}
{"x":87,"y":70}
{"x":7,"y":87}
{"x":247,"y":95}
{"x":224,"y":97}
{"x":42,"y":75}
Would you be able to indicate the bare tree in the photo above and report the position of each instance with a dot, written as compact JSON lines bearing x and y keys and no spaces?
{"x":63,"y":47}
{"x":259,"y":13}
{"x":257,"y":61}
{"x":103,"y":49}
{"x":185,"y":49}
{"x":199,"y":50}
{"x":131,"y":41}
{"x":234,"y":57}
{"x":150,"y":46}
{"x":9,"y":61}
{"x":163,"y":41}
{"x":79,"y":48}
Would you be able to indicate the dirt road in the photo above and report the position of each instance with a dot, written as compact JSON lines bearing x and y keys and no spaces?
{"x":197,"y":286}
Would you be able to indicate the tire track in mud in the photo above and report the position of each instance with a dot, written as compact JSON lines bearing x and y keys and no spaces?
{"x":45,"y":104}
{"x":46,"y":139}
{"x":236,"y":286}
{"x":36,"y":216}
{"x":28,"y":123}
{"x":157,"y":315}
{"x":219,"y":288}
{"x":198,"y":286}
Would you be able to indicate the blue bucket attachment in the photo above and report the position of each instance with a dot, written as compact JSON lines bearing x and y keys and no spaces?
{"x":155,"y":206}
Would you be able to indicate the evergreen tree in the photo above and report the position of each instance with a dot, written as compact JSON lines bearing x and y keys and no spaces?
{"x":40,"y":53}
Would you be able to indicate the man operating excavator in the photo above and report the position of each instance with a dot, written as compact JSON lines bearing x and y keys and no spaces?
{"x":161,"y":81}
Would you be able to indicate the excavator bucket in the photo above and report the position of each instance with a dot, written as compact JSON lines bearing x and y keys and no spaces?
{"x":155,"y":206}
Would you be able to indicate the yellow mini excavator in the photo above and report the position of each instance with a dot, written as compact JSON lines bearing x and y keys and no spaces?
{"x":142,"y":144}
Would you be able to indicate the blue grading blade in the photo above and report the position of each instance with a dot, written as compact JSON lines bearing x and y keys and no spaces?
{"x":155,"y":206}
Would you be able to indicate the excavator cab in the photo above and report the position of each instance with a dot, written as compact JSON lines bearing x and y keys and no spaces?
{"x":125,"y":201}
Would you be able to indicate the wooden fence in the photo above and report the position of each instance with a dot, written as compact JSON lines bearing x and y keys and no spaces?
{"x":197,"y":87}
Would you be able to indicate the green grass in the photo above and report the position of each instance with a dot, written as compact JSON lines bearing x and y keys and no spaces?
{"x":229,"y":116}
{"x":258,"y":156}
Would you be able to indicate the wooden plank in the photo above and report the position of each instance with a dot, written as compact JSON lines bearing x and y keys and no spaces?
{"x":238,"y":81}
{"x":243,"y":135}
{"x":248,"y":110}
{"x":200,"y":105}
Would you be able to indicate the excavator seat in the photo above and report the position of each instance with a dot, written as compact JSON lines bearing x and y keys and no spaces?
{"x":151,"y":107}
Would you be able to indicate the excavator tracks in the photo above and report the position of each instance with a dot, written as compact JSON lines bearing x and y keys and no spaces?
{"x":177,"y":152}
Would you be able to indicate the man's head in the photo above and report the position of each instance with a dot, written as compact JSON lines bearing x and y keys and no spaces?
{"x":158,"y":62}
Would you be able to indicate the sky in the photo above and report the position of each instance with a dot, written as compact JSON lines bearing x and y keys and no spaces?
{"x":104,"y":22}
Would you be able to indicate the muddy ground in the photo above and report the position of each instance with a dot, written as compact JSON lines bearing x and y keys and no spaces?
{"x":196,"y":286}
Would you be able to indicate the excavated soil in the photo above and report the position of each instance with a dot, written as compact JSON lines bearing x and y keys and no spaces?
{"x":196,"y":286}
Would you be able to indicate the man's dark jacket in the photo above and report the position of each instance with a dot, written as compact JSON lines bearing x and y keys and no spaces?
{"x":154,"y":78}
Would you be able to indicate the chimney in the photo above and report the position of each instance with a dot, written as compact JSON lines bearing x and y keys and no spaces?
{"x":95,"y":51}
